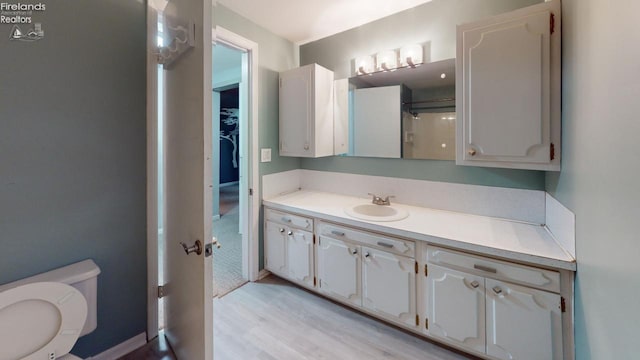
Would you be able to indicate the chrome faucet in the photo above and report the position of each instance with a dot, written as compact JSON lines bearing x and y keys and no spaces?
{"x":379,"y":200}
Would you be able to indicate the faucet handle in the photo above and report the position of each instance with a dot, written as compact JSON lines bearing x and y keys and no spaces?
{"x":379,"y":200}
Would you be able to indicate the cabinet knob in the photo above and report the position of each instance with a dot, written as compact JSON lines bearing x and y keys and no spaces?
{"x":497,"y":290}
{"x":471,"y":152}
{"x":366,"y":255}
{"x":354,"y":252}
{"x":474,"y":284}
{"x":290,"y":233}
{"x":281,"y":230}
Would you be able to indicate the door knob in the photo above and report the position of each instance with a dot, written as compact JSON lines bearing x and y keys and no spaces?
{"x":195,"y":248}
{"x":472,"y":152}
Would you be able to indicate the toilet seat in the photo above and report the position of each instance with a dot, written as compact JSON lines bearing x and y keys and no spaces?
{"x":40,"y":320}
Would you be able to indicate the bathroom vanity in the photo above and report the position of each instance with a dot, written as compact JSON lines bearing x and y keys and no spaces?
{"x":495,"y":288}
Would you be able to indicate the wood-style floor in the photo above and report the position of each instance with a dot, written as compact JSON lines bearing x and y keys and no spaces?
{"x":275,"y":320}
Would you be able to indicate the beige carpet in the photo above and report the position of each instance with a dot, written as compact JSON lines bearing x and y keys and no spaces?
{"x":227,"y":261}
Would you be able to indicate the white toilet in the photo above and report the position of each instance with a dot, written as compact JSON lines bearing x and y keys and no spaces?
{"x":42,"y":317}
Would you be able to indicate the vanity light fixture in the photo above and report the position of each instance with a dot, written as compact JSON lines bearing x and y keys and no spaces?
{"x":364,"y":65}
{"x":387,"y":60}
{"x":411,"y":55}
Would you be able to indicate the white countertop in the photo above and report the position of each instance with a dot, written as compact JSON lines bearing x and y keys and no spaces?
{"x":507,"y":239}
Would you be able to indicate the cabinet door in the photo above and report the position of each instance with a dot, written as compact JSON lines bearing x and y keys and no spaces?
{"x":300,"y":256}
{"x":504,"y":84}
{"x":339,"y":270}
{"x":275,"y":248}
{"x":389,"y":285}
{"x":377,"y":117}
{"x":522,"y":323}
{"x":456,"y":307}
{"x":296,"y":109}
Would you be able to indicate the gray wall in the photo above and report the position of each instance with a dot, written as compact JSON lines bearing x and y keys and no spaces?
{"x":433,"y":23}
{"x":600,"y":171}
{"x":72,"y":156}
{"x":275,"y":55}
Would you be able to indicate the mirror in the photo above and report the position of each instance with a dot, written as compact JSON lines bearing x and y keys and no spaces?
{"x":423,"y":126}
{"x":408,"y":113}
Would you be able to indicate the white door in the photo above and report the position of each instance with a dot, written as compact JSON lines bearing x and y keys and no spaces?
{"x":506,"y":78}
{"x":189,"y":278}
{"x":296,"y":107}
{"x":522,"y":323}
{"x":300,"y":256}
{"x":389,"y":285}
{"x":456,"y":307}
{"x":339,"y":270}
{"x":377,"y":116}
{"x":275,"y":247}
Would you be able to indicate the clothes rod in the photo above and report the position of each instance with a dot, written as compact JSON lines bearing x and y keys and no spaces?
{"x":433,"y":107}
{"x":429,"y":101}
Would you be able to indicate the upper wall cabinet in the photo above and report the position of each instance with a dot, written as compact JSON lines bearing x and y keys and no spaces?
{"x":306,"y":112}
{"x":508,"y":90}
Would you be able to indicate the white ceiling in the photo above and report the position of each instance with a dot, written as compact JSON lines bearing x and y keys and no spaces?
{"x":303,"y":21}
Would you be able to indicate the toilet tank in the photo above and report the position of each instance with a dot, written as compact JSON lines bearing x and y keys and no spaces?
{"x":82,"y":276}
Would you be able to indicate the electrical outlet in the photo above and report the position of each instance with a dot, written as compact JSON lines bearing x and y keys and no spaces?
{"x":265,"y":155}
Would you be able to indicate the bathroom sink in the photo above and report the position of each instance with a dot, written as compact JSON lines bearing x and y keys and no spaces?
{"x":372,"y":212}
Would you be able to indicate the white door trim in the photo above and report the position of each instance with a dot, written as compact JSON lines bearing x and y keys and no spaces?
{"x":251,"y":245}
{"x":152,"y":176}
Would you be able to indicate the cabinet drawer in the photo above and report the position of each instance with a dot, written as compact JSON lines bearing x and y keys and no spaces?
{"x":296,"y":221}
{"x":402,"y":247}
{"x":516,"y":273}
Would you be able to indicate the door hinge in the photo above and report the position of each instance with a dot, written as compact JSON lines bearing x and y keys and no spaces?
{"x":563,"y":305}
{"x":552,"y":23}
{"x":160,"y":291}
{"x":426,"y":270}
{"x":417,"y":267}
{"x":552,"y":151}
{"x":250,"y":192}
{"x":314,"y":239}
{"x":426,"y":323}
{"x":417,"y":320}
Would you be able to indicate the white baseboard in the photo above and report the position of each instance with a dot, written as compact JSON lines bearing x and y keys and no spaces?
{"x":122,"y":349}
{"x":263,"y":274}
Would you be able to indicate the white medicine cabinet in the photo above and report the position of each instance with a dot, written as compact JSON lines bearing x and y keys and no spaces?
{"x":508,"y":90}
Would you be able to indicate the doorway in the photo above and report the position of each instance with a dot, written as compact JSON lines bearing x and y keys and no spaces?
{"x":228,"y":128}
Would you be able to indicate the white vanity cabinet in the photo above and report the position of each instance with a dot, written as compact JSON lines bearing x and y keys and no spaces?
{"x":456,"y":307}
{"x":389,"y":285}
{"x":339,"y":270}
{"x":289,"y":246}
{"x":508,"y":90}
{"x":306,"y":112}
{"x":374,"y":272}
{"x":492,"y":307}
